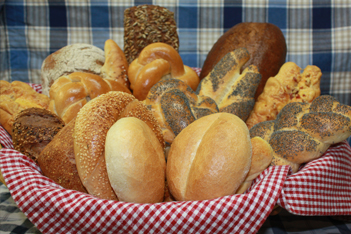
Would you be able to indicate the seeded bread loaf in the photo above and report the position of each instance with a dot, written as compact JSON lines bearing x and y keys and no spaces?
{"x":146,"y":24}
{"x":265,"y":43}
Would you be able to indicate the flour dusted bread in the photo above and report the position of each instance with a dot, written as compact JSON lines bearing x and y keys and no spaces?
{"x":210,"y":158}
{"x":71,"y":58}
{"x":92,"y":124}
{"x":265,"y":43}
{"x":135,"y":161}
{"x":109,"y":63}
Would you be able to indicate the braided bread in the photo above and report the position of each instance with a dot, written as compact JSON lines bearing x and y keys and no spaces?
{"x":175,"y":105}
{"x":157,"y":61}
{"x":289,"y":85}
{"x":68,"y":94}
{"x":304,"y":131}
{"x":232,"y":91}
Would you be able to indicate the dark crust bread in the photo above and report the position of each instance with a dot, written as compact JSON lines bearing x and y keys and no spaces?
{"x":147,"y":24}
{"x":57,"y":160}
{"x":265,"y":43}
{"x":33,"y":129}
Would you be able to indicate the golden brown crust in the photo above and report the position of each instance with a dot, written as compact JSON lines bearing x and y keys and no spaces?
{"x":304,"y":131}
{"x":157,"y":61}
{"x":147,"y":24}
{"x":210,"y":158}
{"x":232,"y":90}
{"x":70,"y":93}
{"x":265,"y":43}
{"x":57,"y":160}
{"x":33,"y":129}
{"x":15,"y":97}
{"x":289,"y":85}
{"x":92,"y":124}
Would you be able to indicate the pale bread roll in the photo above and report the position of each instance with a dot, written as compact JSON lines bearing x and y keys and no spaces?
{"x":135,"y":162}
{"x":210,"y":158}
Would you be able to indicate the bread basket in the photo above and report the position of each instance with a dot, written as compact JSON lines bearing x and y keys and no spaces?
{"x":321,"y":187}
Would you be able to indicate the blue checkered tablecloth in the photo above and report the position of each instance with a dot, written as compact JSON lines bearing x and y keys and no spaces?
{"x":317,"y":32}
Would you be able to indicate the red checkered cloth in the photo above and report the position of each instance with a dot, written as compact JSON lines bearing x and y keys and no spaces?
{"x":321,"y":187}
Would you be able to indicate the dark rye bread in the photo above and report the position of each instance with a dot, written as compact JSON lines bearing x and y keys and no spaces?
{"x":57,"y":160}
{"x":33,"y":129}
{"x":265,"y":43}
{"x":147,"y":24}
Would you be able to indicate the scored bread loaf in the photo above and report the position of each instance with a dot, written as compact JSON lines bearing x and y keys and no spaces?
{"x":304,"y":131}
{"x":210,"y":158}
{"x":92,"y":124}
{"x":68,"y":94}
{"x":147,"y":24}
{"x":265,"y":43}
{"x":157,"y":61}
{"x":231,"y":89}
{"x":289,"y":85}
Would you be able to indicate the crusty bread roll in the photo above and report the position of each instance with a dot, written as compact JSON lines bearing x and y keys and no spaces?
{"x":264,"y":41}
{"x":57,"y":160}
{"x":109,"y":64}
{"x":210,"y":158}
{"x":33,"y":129}
{"x":147,"y":24}
{"x":92,"y":124}
{"x":135,"y":161}
{"x":231,"y":89}
{"x":302,"y":132}
{"x":157,"y":61}
{"x":289,"y":85}
{"x":15,"y":97}
{"x":69,"y":93}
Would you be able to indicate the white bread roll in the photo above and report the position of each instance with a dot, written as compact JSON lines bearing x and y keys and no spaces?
{"x":210,"y":158}
{"x":135,"y":162}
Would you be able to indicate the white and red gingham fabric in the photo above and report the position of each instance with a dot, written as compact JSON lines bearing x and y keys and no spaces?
{"x":322,"y":187}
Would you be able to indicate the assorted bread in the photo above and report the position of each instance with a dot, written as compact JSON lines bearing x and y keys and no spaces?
{"x":137,"y":125}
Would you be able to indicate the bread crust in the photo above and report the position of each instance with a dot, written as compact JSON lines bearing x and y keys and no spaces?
{"x":92,"y":124}
{"x":210,"y":158}
{"x":135,"y":162}
{"x":265,"y":43}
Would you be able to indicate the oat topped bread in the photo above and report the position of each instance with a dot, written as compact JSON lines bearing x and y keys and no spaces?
{"x":146,"y":24}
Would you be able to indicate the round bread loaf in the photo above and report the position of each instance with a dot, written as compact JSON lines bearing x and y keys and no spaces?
{"x":69,"y":59}
{"x":265,"y":43}
{"x":33,"y":129}
{"x":57,"y":160}
{"x":135,"y":161}
{"x":92,"y":124}
{"x":210,"y":158}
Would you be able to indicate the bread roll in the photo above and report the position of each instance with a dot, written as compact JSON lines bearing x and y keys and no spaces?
{"x":265,"y":43}
{"x":33,"y":129}
{"x":135,"y":162}
{"x":210,"y":158}
{"x":15,"y":97}
{"x":71,"y":58}
{"x":92,"y":124}
{"x":57,"y":160}
{"x":147,"y":24}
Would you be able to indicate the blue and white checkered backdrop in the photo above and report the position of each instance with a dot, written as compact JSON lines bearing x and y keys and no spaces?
{"x":317,"y":32}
